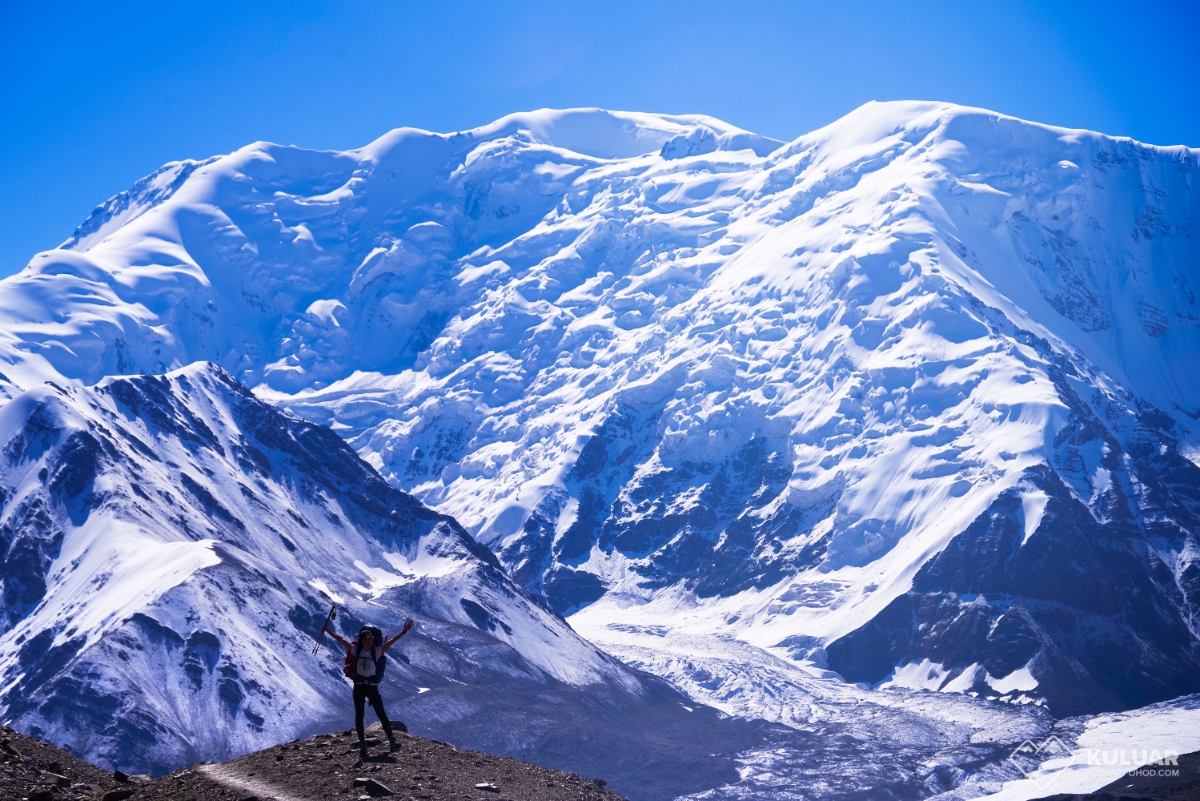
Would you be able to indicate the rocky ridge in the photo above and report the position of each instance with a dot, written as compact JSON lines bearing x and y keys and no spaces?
{"x":323,"y":767}
{"x":35,"y":770}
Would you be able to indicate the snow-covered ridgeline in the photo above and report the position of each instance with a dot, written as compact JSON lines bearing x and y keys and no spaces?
{"x":170,"y":547}
{"x":783,"y":384}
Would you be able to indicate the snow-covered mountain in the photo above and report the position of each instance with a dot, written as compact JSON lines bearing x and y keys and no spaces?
{"x":171,"y":543}
{"x":171,"y":546}
{"x":910,"y":397}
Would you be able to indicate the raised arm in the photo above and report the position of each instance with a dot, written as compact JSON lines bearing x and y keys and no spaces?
{"x":408,"y":624}
{"x":345,"y":643}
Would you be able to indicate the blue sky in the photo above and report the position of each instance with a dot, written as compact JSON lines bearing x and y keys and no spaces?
{"x":95,"y":95}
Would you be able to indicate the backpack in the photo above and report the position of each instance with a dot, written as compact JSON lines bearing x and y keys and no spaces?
{"x":350,"y":668}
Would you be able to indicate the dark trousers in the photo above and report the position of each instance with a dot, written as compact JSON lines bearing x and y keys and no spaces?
{"x":362,"y":694}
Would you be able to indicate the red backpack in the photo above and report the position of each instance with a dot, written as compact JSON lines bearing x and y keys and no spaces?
{"x":349,"y":669}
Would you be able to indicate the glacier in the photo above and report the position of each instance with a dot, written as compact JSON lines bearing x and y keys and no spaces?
{"x":723,"y":401}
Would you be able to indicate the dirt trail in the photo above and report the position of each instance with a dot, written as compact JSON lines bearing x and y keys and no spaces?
{"x":248,"y":786}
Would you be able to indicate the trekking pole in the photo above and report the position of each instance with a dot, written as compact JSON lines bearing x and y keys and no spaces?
{"x":321,"y":635}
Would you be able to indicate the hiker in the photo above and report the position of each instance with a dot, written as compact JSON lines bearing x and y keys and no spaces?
{"x":365,"y":664}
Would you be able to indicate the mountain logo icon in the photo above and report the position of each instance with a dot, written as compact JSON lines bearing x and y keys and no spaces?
{"x":1038,"y":753}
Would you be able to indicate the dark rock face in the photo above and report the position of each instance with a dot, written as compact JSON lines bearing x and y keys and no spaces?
{"x":30,"y":539}
{"x":1097,"y":610}
{"x":718,"y":540}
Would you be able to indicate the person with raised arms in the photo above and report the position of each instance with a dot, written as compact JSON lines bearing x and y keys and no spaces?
{"x":365,"y":665}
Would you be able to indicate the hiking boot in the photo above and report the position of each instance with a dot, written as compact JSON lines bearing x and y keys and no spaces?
{"x":362,"y":749}
{"x":393,"y":744}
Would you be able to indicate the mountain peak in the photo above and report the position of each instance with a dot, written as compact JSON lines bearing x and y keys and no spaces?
{"x":593,"y":132}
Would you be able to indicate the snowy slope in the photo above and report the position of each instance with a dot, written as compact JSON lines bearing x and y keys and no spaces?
{"x":298,"y":267}
{"x":672,"y":371}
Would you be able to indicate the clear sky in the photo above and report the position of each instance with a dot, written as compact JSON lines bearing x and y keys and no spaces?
{"x":95,"y":95}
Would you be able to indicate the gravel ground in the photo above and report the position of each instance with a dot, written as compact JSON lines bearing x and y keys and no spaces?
{"x":35,"y":770}
{"x":320,"y":768}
